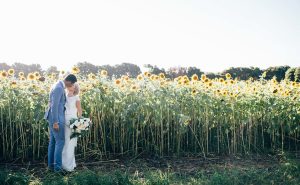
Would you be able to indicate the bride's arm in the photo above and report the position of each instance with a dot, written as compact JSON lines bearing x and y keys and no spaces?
{"x":79,"y":109}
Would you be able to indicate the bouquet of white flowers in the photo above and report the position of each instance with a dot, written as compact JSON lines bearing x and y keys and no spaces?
{"x":80,"y":126}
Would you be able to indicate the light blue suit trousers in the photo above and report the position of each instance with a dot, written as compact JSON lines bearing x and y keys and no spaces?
{"x":56,"y":114}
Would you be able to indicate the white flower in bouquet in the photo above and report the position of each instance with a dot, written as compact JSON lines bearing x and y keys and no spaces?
{"x":79,"y":126}
{"x":86,"y":124}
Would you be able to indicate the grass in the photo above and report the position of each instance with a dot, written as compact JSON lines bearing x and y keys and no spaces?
{"x":184,"y":171}
{"x":280,"y":175}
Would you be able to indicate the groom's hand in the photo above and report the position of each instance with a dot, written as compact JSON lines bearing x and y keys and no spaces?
{"x":56,"y":126}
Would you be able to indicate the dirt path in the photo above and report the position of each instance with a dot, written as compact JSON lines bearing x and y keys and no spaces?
{"x":186,"y":165}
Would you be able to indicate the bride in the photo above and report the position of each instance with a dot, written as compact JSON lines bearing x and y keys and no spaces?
{"x":73,"y":110}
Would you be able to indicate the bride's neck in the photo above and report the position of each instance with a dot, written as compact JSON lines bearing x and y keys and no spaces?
{"x":70,"y":94}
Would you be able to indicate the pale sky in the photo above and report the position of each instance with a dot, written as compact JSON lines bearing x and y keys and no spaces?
{"x":210,"y":34}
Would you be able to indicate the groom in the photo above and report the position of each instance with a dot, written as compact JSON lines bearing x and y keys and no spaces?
{"x":55,"y":115}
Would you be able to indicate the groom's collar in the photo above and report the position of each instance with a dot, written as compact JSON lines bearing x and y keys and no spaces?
{"x":63,"y":84}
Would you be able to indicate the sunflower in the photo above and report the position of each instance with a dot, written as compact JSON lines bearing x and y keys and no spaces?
{"x":21,"y":74}
{"x":105,"y":87}
{"x":186,"y":81}
{"x":62,"y":72}
{"x":179,"y":78}
{"x":118,"y":81}
{"x":140,"y":77}
{"x":42,"y":79}
{"x":22,"y":78}
{"x":162,"y":75}
{"x":195,"y":77}
{"x":134,"y":88}
{"x":11,"y":72}
{"x":228,"y":75}
{"x":152,"y":77}
{"x":147,"y":74}
{"x":125,"y":77}
{"x":92,"y":76}
{"x":75,"y":70}
{"x":13,"y":84}
{"x":203,"y":77}
{"x":103,"y":73}
{"x":221,"y":80}
{"x":275,"y":91}
{"x":210,"y":84}
{"x":37,"y":74}
{"x":288,"y":92}
{"x":274,"y":81}
{"x":30,"y":76}
{"x":4,"y":74}
{"x":194,"y":92}
{"x":281,"y":90}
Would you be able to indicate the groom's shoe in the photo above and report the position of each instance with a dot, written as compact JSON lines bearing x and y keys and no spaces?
{"x":58,"y":170}
{"x":50,"y":168}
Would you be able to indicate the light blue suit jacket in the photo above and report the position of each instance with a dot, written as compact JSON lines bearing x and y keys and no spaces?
{"x":56,"y":110}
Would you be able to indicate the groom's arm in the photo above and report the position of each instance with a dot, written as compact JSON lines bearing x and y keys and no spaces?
{"x":56,"y":96}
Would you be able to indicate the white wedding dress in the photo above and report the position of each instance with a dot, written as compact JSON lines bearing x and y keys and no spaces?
{"x":68,"y":154}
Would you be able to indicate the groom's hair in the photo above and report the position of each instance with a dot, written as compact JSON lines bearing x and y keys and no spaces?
{"x":71,"y":78}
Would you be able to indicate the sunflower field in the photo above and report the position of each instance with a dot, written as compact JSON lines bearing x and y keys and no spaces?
{"x":155,"y":116}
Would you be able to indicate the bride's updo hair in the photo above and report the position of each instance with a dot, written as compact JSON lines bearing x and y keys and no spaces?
{"x":76,"y":89}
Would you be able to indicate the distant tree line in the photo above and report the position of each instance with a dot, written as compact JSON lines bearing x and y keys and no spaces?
{"x":241,"y":73}
{"x":20,"y":67}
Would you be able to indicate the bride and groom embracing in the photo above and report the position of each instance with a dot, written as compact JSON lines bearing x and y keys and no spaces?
{"x":64,"y":105}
